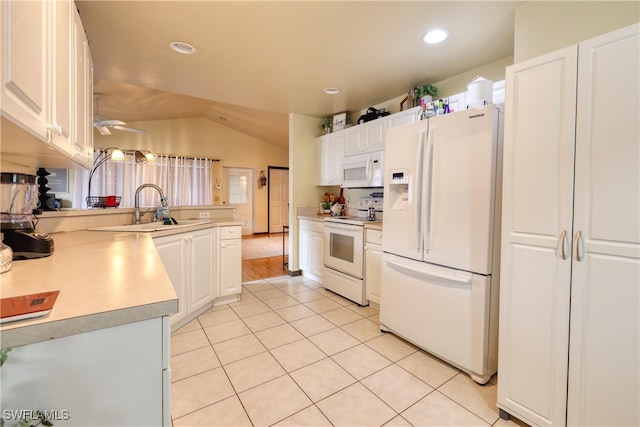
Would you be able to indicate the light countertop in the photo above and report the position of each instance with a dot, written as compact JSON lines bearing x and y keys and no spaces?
{"x":105,"y":279}
{"x":314,"y":217}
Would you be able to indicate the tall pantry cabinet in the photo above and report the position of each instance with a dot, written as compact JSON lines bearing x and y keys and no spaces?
{"x":570,"y":267}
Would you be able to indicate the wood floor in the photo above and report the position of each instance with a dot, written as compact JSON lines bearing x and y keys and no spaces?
{"x":262,"y":268}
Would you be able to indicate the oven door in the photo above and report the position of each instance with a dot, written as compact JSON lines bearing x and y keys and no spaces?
{"x":343,"y":248}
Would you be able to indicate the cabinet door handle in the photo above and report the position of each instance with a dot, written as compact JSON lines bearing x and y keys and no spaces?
{"x":578,"y":240}
{"x":224,"y":245}
{"x":563,"y":241}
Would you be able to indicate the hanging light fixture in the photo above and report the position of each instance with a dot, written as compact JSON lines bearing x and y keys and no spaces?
{"x":115,"y":155}
{"x":262,"y":179}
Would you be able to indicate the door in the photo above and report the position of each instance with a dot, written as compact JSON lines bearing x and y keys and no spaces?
{"x":536,"y":234}
{"x":24,"y":63}
{"x":403,"y":189}
{"x":201,"y":268}
{"x":459,"y":189}
{"x":173,"y":253}
{"x":240,"y":193}
{"x":278,"y":199}
{"x":605,"y":290}
{"x":343,"y":248}
{"x":442,"y":310}
{"x":230,"y":267}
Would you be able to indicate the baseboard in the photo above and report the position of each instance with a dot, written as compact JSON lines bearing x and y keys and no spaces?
{"x":294,"y":273}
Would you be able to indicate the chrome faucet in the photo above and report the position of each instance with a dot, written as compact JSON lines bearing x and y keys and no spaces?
{"x":136,"y":207}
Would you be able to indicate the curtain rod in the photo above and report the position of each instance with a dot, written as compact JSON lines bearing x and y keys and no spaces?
{"x":169,"y":155}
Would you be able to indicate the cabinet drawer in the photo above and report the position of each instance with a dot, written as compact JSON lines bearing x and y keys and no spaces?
{"x":231,"y":232}
{"x":373,"y":236}
{"x":312,"y":225}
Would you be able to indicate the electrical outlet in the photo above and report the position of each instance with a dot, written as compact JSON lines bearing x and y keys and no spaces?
{"x":203,"y":215}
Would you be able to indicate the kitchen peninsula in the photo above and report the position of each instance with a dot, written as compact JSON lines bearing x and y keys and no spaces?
{"x":101,"y":357}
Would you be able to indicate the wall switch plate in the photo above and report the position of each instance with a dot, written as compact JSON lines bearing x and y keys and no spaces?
{"x":203,"y":215}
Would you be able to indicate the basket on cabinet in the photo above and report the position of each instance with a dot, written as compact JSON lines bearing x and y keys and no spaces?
{"x":103,"y":201}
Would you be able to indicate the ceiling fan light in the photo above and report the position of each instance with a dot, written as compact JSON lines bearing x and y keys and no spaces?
{"x":151,"y":158}
{"x":117,"y":155}
{"x":435,"y":36}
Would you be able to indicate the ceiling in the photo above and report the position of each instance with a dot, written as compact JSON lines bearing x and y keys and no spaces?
{"x":258,"y":61}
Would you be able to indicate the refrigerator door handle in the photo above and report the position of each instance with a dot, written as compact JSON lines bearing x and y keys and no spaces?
{"x":563,"y":243}
{"x":429,"y":173}
{"x":462,"y":278}
{"x":418,"y":192}
{"x":578,"y":240}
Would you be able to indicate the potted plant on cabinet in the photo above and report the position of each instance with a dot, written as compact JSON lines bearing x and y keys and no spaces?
{"x":325,"y":124}
{"x":426,"y":92}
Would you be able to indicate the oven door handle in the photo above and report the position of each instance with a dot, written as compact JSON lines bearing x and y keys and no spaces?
{"x":329,"y":226}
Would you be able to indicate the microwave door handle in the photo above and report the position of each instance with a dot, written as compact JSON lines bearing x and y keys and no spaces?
{"x":368,"y":169}
{"x":418,"y":192}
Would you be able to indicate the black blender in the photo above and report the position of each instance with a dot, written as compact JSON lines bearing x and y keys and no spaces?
{"x":18,"y":199}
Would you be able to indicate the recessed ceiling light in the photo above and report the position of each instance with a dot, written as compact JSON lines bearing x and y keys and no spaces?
{"x":182,"y":47}
{"x":435,"y":36}
{"x":331,"y":90}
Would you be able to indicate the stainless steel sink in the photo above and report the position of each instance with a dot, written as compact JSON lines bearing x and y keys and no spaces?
{"x":151,"y":226}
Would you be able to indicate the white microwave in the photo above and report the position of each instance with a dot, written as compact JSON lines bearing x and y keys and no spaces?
{"x":363,"y":170}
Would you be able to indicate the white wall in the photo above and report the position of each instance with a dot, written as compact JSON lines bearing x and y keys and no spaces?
{"x":303,"y":192}
{"x":545,"y":26}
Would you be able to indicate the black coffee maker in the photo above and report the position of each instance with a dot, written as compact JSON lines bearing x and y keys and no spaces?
{"x":18,"y":199}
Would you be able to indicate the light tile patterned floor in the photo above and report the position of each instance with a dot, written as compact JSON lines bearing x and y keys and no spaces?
{"x":294,"y":354}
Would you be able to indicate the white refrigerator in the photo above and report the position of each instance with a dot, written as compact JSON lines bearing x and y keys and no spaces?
{"x":441,"y":237}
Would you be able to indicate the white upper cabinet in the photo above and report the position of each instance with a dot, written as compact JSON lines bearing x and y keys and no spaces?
{"x":82,"y":135}
{"x":365,"y":138}
{"x":46,"y":78}
{"x":24,"y":64}
{"x":330,"y":151}
{"x":62,"y":76}
{"x":403,"y":117}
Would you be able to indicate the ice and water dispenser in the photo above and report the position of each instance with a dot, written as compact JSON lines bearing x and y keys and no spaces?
{"x":398,"y":192}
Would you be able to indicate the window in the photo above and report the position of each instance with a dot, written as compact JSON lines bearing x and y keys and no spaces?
{"x":186,"y":181}
{"x":237,"y":189}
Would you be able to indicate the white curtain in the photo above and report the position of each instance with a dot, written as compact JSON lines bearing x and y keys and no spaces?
{"x":185,"y":181}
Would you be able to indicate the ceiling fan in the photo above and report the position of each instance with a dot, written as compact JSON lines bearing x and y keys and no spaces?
{"x":103,"y":125}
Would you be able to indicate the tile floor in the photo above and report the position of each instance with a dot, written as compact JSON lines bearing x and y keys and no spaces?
{"x":291,"y":353}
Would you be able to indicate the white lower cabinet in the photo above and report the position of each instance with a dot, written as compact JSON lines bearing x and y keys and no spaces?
{"x":373,"y":265}
{"x":230,"y":261}
{"x":569,"y":349}
{"x":116,"y":376}
{"x":311,"y":249}
{"x":189,"y":259}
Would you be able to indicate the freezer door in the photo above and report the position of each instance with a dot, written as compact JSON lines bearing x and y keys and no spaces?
{"x":459,"y":188}
{"x":403,"y":181}
{"x":445,"y":312}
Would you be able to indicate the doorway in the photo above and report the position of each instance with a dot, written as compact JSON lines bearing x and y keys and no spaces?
{"x":240,"y":193}
{"x":278,"y":198}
